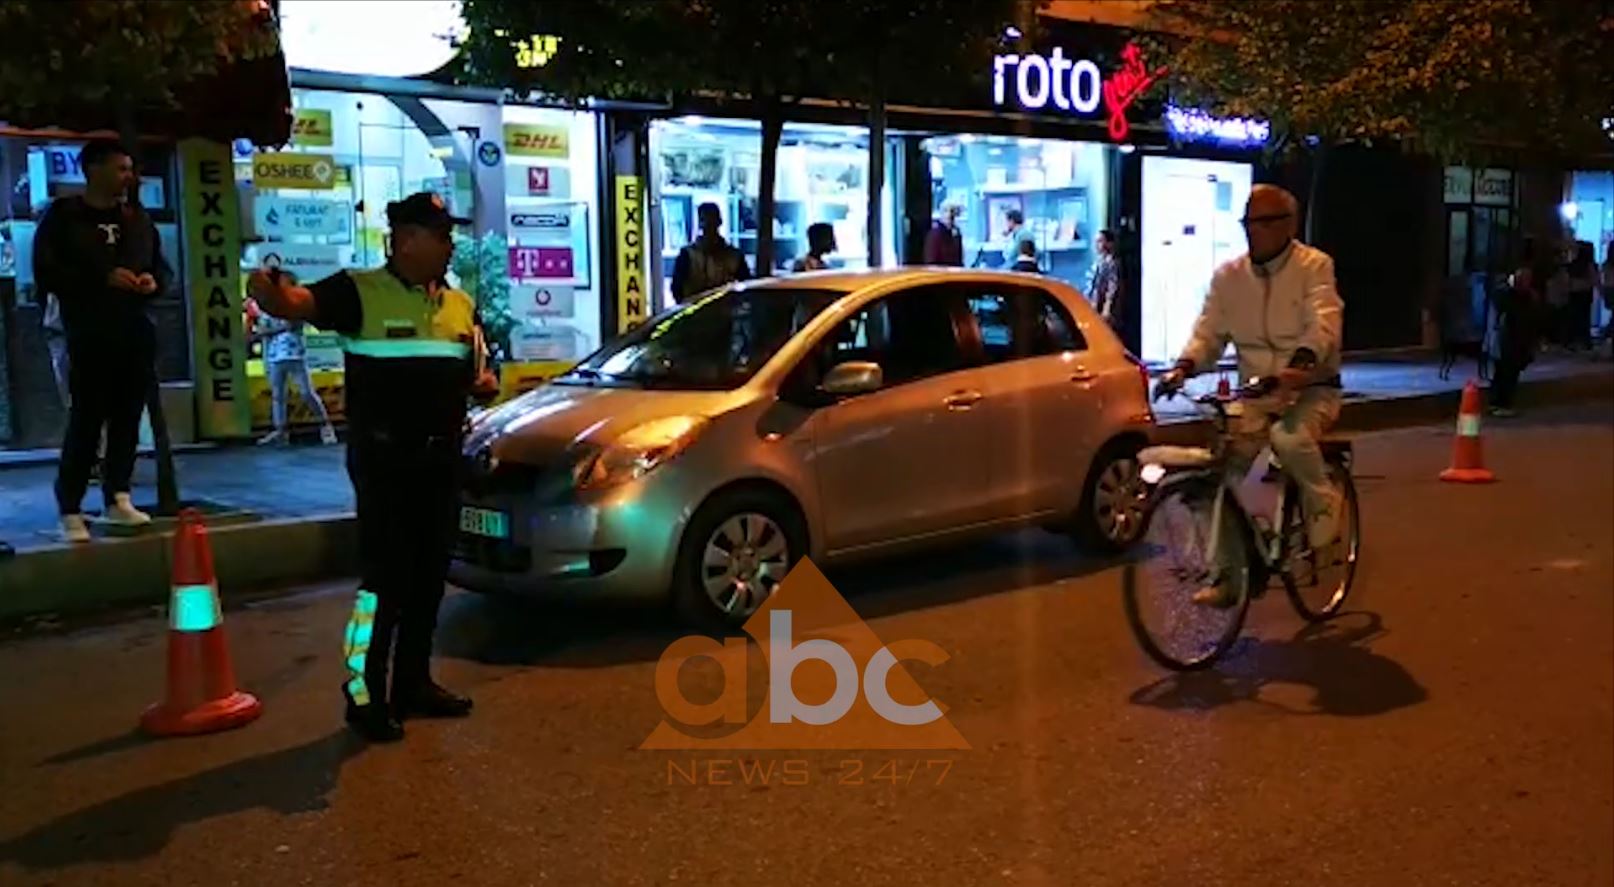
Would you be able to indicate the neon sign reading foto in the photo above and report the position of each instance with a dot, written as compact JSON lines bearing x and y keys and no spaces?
{"x":1077,"y":86}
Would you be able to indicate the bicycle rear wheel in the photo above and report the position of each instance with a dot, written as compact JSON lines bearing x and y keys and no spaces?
{"x":1171,"y":564}
{"x":1319,"y":582}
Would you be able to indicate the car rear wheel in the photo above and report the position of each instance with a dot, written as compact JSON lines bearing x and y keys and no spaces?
{"x":1111,"y":515}
{"x":735,"y":552}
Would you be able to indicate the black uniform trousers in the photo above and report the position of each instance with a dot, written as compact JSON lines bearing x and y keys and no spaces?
{"x":407,"y":487}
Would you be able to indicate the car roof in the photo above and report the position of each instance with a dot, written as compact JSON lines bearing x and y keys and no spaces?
{"x":852,"y":281}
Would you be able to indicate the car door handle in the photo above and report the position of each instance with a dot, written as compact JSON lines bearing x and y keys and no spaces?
{"x":1082,"y":374}
{"x":962,"y":400}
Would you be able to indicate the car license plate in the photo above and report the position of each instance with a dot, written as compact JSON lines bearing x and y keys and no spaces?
{"x":484,"y":522}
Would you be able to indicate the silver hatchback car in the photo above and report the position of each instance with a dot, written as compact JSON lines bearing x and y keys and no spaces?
{"x":833,"y":414}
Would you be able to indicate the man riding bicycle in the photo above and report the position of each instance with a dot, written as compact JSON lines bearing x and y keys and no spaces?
{"x":1279,"y":306}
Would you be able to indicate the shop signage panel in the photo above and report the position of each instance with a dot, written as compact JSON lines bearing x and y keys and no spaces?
{"x":1493,"y":187}
{"x":1459,"y":184}
{"x":1033,"y":82}
{"x":632,"y":300}
{"x":537,"y":181}
{"x":541,"y":263}
{"x":310,"y":262}
{"x":557,"y":219}
{"x":212,"y":226}
{"x":536,"y":140}
{"x":312,"y":127}
{"x":287,"y":170}
{"x":555,"y":342}
{"x":280,"y":216}
{"x":542,"y":301}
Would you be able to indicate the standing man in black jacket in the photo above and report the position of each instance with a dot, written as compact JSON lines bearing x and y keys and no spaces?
{"x":100,"y":254}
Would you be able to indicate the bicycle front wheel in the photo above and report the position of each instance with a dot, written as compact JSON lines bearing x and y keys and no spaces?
{"x":1172,"y":562}
{"x":1319,"y":581}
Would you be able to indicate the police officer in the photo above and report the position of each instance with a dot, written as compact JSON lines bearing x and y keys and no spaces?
{"x":410,"y":367}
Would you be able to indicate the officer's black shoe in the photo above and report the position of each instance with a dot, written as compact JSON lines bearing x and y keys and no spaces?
{"x":431,"y":701}
{"x":374,"y":722}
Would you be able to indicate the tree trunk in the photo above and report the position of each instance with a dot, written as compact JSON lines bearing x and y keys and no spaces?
{"x":773,"y":124}
{"x":876,"y":179}
{"x":167,"y":476}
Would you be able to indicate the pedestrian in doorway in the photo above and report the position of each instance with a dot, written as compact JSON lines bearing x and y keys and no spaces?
{"x":285,"y":360}
{"x":56,"y":344}
{"x":1026,"y":261}
{"x":944,"y":245}
{"x":100,"y":255}
{"x":1521,"y":305}
{"x":820,"y":243}
{"x":1582,"y":283}
{"x":1104,"y":283}
{"x":709,"y":262}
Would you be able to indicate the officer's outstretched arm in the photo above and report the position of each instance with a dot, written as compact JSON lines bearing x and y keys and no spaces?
{"x":280,"y":298}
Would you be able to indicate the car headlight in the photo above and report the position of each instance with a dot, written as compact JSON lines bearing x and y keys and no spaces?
{"x":637,"y":452}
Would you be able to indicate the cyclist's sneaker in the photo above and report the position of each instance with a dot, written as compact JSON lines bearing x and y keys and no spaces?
{"x":1218,"y":596}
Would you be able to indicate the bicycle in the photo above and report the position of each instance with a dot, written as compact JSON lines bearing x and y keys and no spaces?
{"x":1227,"y":546}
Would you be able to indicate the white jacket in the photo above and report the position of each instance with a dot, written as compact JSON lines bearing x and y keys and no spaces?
{"x":1270,"y":311}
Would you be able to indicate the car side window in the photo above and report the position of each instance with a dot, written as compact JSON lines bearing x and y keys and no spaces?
{"x":912,"y":335}
{"x":1021,"y":322}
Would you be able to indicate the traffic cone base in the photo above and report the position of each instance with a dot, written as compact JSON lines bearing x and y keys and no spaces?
{"x":1468,"y":475}
{"x":201,"y":694}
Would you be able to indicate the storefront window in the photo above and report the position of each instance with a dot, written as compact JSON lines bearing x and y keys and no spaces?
{"x":526,"y":177}
{"x":1042,"y":199}
{"x":822,"y":177}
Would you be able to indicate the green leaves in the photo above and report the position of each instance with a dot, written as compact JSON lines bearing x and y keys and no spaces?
{"x":141,"y":51}
{"x":1452,"y":76}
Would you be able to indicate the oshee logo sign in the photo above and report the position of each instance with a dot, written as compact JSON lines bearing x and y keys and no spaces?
{"x":831,"y":683}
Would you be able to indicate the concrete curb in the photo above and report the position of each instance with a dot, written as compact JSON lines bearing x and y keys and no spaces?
{"x":249,"y":558}
{"x":269,"y":556}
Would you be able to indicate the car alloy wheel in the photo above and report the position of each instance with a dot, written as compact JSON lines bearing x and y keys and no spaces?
{"x":1118,"y":501}
{"x":744,"y":560}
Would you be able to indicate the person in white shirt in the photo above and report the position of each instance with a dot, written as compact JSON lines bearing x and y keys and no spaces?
{"x":1278,"y":304}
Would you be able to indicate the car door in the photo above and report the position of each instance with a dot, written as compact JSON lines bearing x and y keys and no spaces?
{"x":1042,"y":401}
{"x":910,"y":458}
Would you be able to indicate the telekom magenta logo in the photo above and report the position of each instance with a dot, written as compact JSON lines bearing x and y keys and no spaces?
{"x":1077,"y":86}
{"x":831,"y":683}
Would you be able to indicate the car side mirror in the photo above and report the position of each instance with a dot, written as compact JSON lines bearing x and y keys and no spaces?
{"x":853,"y":377}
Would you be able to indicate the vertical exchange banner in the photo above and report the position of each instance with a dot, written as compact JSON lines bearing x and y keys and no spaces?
{"x":632,"y":302}
{"x":212,"y":226}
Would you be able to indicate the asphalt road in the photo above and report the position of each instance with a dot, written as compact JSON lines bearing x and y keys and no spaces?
{"x":1455,"y":728}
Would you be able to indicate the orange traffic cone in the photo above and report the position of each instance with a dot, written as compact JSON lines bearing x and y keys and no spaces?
{"x":1468,"y":456}
{"x":202,"y":696}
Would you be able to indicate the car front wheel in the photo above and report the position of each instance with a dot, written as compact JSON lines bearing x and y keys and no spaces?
{"x":736,"y":550}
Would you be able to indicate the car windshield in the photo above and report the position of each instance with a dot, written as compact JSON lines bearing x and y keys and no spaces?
{"x":715,"y":343}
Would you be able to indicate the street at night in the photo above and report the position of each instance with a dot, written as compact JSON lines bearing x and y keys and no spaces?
{"x":1453,"y":727}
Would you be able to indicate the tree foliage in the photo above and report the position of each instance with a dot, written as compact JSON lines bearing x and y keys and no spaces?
{"x":60,"y":57}
{"x":1448,"y":77}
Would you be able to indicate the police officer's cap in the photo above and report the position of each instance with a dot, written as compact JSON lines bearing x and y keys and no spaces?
{"x":424,"y":209}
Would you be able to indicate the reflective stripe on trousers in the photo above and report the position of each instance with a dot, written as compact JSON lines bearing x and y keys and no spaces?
{"x":356,"y":645}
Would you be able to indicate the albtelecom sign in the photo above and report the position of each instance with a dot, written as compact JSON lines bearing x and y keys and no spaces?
{"x":1077,"y":86}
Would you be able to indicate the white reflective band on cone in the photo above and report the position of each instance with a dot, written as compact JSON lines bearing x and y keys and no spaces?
{"x":195,"y":608}
{"x":1468,"y":426}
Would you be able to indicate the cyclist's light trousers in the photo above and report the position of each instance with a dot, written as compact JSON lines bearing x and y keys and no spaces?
{"x":1294,"y":441}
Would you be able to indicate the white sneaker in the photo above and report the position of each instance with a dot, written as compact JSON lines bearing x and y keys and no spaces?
{"x":274,"y":439}
{"x":75,"y":529}
{"x":122,"y":511}
{"x":327,"y":435}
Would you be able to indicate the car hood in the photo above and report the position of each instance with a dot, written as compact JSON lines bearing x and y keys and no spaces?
{"x":539,"y":426}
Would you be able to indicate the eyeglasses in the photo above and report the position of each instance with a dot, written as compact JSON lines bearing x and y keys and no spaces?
{"x":1251,"y":221}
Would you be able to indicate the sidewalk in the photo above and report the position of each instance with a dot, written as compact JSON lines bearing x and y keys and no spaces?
{"x":303,"y":529}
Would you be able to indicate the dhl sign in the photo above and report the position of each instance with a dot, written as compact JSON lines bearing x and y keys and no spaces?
{"x":312,"y":127}
{"x":534,"y":140}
